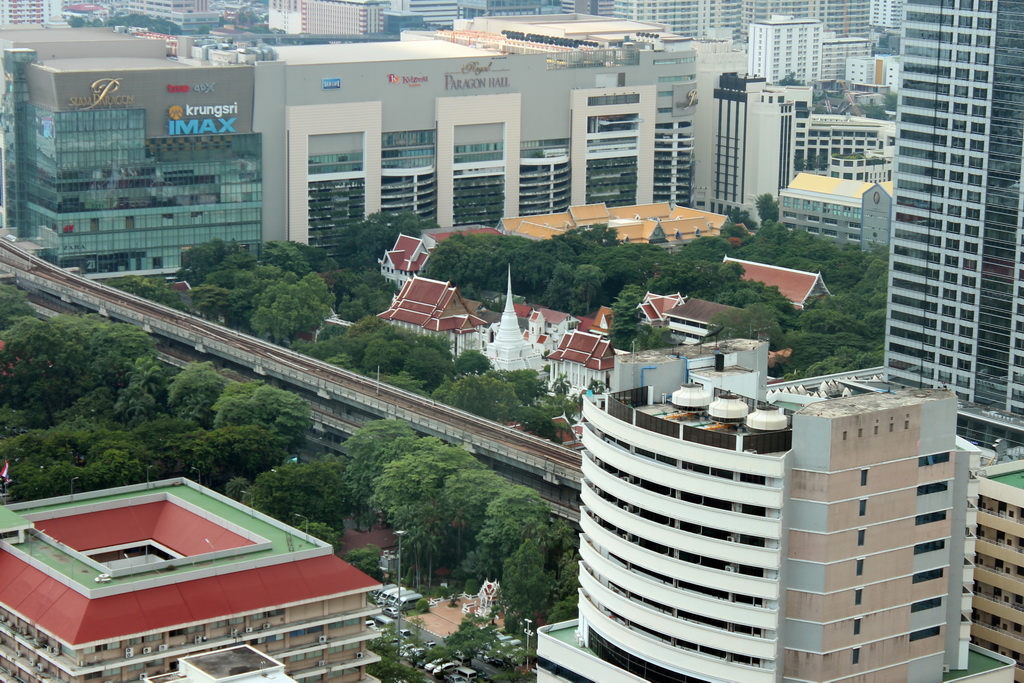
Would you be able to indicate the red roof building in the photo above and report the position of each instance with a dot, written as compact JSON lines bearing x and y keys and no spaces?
{"x":653,"y":307}
{"x":405,"y":260}
{"x":113,"y":584}
{"x":796,"y":285}
{"x":583,"y":360}
{"x":428,"y":306}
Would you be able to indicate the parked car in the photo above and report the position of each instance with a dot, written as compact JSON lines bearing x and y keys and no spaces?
{"x":391,"y":612}
{"x":406,"y":633}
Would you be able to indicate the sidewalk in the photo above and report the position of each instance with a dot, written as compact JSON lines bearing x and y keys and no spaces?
{"x":443,"y":620}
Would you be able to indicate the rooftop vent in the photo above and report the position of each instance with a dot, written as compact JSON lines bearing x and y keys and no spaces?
{"x":693,"y":397}
{"x":728,"y":409}
{"x":767,"y":419}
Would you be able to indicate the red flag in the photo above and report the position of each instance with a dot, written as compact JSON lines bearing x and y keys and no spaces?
{"x":3,"y":472}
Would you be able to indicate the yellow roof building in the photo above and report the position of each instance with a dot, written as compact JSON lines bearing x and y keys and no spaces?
{"x":657,"y":223}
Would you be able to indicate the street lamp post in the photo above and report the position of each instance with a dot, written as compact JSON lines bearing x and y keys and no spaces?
{"x":528,"y":633}
{"x":148,"y":468}
{"x":399,"y":582}
{"x":304,"y":517}
{"x":73,"y":480}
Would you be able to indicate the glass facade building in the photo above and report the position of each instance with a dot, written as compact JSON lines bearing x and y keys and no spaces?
{"x":956,"y":308}
{"x":98,"y":172}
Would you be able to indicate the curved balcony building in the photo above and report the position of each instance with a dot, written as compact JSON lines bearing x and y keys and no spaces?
{"x":727,"y":540}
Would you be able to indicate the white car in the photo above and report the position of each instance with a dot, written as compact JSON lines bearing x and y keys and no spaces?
{"x":430,"y":667}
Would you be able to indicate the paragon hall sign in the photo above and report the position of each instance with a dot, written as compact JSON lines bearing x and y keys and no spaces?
{"x":103,"y":94}
{"x":475,"y":75}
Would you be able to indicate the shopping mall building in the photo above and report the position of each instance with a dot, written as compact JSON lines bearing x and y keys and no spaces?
{"x":117,"y":158}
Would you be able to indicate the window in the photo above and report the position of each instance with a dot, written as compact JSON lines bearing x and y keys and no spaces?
{"x":930,"y":517}
{"x":925,"y":633}
{"x":933,"y":487}
{"x":936,"y":459}
{"x":929,"y":575}
{"x":860,"y":567}
{"x":856,"y":655}
{"x":856,"y":628}
{"x":860,"y":536}
{"x":930,"y":603}
{"x":864,"y":472}
{"x":929,"y":546}
{"x":858,"y":596}
{"x":862,"y":508}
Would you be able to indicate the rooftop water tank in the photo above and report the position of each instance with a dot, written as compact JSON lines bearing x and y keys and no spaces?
{"x":692,"y":397}
{"x":767,"y":419}
{"x":728,"y":409}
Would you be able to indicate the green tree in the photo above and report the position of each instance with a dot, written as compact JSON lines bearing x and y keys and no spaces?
{"x":517,"y":513}
{"x":13,"y":305}
{"x":524,"y":585}
{"x":474,"y":637}
{"x":626,"y":322}
{"x":369,"y":449}
{"x":202,"y":260}
{"x":366,"y":560}
{"x":300,"y":259}
{"x":466,"y":495}
{"x":767,"y":207}
{"x":285,"y":310}
{"x":193,"y":392}
{"x":152,"y":288}
{"x":367,"y":240}
{"x":482,"y":395}
{"x":281,"y":412}
{"x":587,"y":281}
{"x":211,"y":301}
{"x":470,"y":362}
{"x":753,"y":322}
{"x":144,"y":396}
{"x":312,"y":490}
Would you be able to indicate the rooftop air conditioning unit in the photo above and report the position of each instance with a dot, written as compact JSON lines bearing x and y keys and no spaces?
{"x":360,"y":655}
{"x":248,"y":629}
{"x":322,"y":639}
{"x":129,"y":652}
{"x":146,"y":650}
{"x":161,"y":648}
{"x":266,"y":626}
{"x":322,"y":662}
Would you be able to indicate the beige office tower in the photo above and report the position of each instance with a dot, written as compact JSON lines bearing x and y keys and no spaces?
{"x":812,"y":539}
{"x":878,"y":568}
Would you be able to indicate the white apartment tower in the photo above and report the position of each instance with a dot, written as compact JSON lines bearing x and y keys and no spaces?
{"x":727,"y":540}
{"x":956,"y":312}
{"x":785,"y":47}
{"x":887,"y":13}
{"x":28,"y":11}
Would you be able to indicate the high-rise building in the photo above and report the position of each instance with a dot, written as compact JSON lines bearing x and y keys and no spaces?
{"x":501,"y":117}
{"x":116,"y":158}
{"x":29,"y":11}
{"x":329,"y":17}
{"x":715,"y":19}
{"x":121,"y":583}
{"x":751,"y":143}
{"x":886,"y":14}
{"x":835,"y":50}
{"x":727,"y":540}
{"x":998,"y":587}
{"x":955,"y":316}
{"x":785,"y":47}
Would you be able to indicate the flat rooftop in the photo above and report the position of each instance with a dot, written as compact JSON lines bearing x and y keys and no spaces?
{"x":882,"y":400}
{"x":108,"y":63}
{"x":37,"y":34}
{"x":977,"y":663}
{"x":355,"y":53}
{"x":1015,"y":479}
{"x":195,"y":528}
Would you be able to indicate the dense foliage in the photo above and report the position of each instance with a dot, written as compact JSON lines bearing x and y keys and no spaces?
{"x":587,"y":268}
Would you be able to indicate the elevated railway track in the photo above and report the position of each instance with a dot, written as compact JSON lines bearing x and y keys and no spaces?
{"x":341,"y":400}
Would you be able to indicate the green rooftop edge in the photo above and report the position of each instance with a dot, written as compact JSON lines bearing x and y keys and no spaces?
{"x":85,"y":575}
{"x":977,"y":663}
{"x":1014,"y":479}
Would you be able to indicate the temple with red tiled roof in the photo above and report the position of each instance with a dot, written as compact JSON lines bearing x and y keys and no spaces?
{"x":405,"y":260}
{"x":653,"y":307}
{"x":583,"y":360}
{"x":426,"y":306}
{"x":796,"y":285}
{"x":122,"y":582}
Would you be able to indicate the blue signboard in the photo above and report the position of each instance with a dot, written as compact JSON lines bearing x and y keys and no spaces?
{"x":330,"y":84}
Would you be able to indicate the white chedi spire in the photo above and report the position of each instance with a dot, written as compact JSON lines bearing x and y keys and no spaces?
{"x":509,"y":350}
